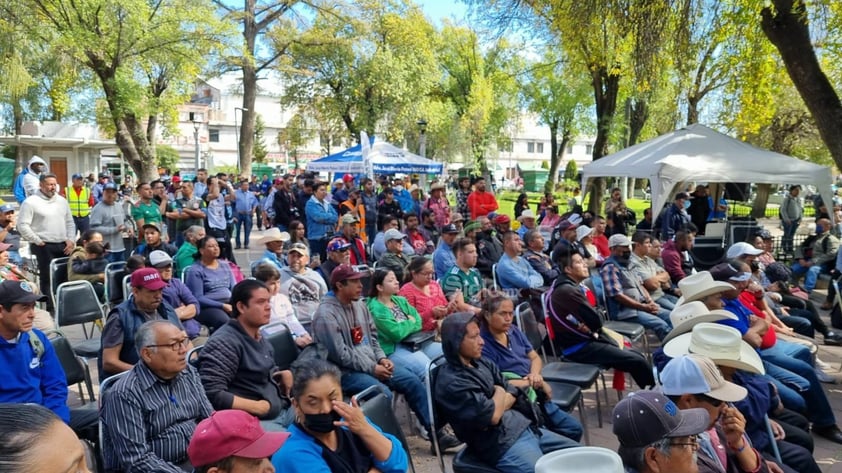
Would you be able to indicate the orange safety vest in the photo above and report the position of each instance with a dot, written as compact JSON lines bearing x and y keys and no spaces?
{"x":80,"y":203}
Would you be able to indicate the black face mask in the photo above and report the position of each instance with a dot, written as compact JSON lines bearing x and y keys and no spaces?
{"x":321,"y":423}
{"x":624,"y":257}
{"x":755,"y":266}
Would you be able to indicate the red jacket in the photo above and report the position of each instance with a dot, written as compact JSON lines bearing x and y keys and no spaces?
{"x":481,"y":203}
{"x":671,"y":258}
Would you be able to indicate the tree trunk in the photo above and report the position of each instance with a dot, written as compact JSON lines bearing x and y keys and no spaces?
{"x":787,"y":28}
{"x":606,"y":89}
{"x":639,"y":113}
{"x":758,"y":207}
{"x":247,"y":120}
{"x":555,"y":156}
{"x":17,"y":116}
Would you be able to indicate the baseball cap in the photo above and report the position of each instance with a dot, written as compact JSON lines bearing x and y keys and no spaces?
{"x":344,"y":272}
{"x":148,"y":278}
{"x":348,"y":219}
{"x":742,"y":248}
{"x":582,"y":232}
{"x":4,"y":247}
{"x":159,"y":258}
{"x":348,"y":178}
{"x":229,"y":433}
{"x":502,"y":220}
{"x":449,"y":228}
{"x":277,"y":181}
{"x":727,"y":272}
{"x":698,"y":374}
{"x":76,"y":176}
{"x":110,"y":186}
{"x":338,"y":244}
{"x":618,"y":239}
{"x":645,"y":417}
{"x":19,"y":292}
{"x":776,"y":272}
{"x":457,"y":217}
{"x":103,"y":174}
{"x":299,"y":248}
{"x":152,"y":225}
{"x":7,"y":208}
{"x":393,"y":234}
{"x":566,"y":224}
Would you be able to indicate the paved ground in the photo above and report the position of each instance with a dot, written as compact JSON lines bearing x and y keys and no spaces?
{"x":828,"y":455}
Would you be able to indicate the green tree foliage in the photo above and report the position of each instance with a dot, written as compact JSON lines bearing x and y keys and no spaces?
{"x":259,"y":150}
{"x":143,"y":55}
{"x":560,"y":97}
{"x":570,"y":171}
{"x":166,"y":157}
{"x":367,"y":68}
{"x":295,"y":135}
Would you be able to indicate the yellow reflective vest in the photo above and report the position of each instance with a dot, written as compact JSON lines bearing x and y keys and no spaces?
{"x":80,"y":205}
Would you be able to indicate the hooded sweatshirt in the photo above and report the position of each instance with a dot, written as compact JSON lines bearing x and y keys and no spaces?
{"x":334,"y":327}
{"x":31,"y":181}
{"x":464,"y":394}
{"x":46,"y":220}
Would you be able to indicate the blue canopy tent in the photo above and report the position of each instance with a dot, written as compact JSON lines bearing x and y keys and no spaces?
{"x":385,"y":159}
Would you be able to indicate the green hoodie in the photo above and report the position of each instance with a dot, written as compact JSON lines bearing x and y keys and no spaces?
{"x":390,"y":331}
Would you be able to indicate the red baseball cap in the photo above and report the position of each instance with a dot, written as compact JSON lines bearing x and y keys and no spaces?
{"x":232,"y":433}
{"x":148,"y":278}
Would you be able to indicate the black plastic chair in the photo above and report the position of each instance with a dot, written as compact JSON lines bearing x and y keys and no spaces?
{"x":114,"y":289}
{"x":58,"y":275}
{"x":193,"y":356}
{"x":463,"y":462}
{"x":77,"y":303}
{"x":286,"y":351}
{"x":375,"y":404}
{"x":75,"y":368}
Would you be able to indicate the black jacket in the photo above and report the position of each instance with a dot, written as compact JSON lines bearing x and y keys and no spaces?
{"x":573,"y":319}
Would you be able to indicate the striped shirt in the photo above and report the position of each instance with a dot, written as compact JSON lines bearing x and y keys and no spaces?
{"x":148,"y":422}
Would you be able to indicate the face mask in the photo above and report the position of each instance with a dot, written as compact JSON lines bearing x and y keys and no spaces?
{"x":624,"y":257}
{"x":686,"y":204}
{"x":755,"y":266}
{"x":819,"y":229}
{"x":321,"y":423}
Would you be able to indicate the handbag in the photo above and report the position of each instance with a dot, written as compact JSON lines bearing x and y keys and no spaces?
{"x":417,"y":340}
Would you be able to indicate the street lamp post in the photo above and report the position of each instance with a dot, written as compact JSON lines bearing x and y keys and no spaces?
{"x":237,"y":132}
{"x":196,"y":126}
{"x":422,"y":145}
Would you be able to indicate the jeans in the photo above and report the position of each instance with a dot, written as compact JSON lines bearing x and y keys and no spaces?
{"x":83,"y":224}
{"x":789,"y":233}
{"x":280,"y":423}
{"x":812,"y":274}
{"x":244,"y":220}
{"x":797,"y":360}
{"x":790,"y":386}
{"x":667,"y":302}
{"x":561,"y":422}
{"x":416,"y":361}
{"x":522,"y":456}
{"x":660,"y":324}
{"x":14,"y":257}
{"x":799,"y":323}
{"x":608,"y":355}
{"x":116,"y":256}
{"x":212,"y":317}
{"x":808,"y":311}
{"x":403,"y":381}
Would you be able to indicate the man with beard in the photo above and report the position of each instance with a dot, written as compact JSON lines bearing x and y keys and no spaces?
{"x":187,"y":210}
{"x":119,"y":352}
{"x":428,"y":225}
{"x":46,"y":223}
{"x":627,"y":299}
{"x":673,"y":256}
{"x":480,"y":202}
{"x":350,"y":232}
{"x":418,"y":237}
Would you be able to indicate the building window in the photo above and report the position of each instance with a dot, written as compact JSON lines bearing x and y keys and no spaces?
{"x":213,"y":135}
{"x":540,"y":148}
{"x":569,"y":149}
{"x":530,"y":147}
{"x":589,"y":149}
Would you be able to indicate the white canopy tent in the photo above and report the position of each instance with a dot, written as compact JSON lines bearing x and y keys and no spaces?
{"x":698,"y":153}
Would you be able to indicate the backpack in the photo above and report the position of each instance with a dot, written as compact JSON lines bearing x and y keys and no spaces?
{"x":18,"y":190}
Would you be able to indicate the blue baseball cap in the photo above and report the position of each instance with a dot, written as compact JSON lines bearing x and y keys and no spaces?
{"x":7,"y":208}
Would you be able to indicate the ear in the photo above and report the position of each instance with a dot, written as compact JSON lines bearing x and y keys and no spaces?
{"x":687,"y":401}
{"x":650,"y":459}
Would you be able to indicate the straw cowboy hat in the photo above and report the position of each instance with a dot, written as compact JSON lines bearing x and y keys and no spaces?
{"x":700,"y":285}
{"x":688,"y":315}
{"x":721,"y":343}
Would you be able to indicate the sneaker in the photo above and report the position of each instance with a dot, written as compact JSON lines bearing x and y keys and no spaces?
{"x":822,"y":365}
{"x":824,"y":377}
{"x":422,"y":432}
{"x":446,"y":442}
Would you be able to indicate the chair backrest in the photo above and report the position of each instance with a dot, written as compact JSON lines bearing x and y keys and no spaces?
{"x":127,"y":286}
{"x":578,"y":459}
{"x":375,"y":404}
{"x":432,"y":373}
{"x":193,"y":356}
{"x":715,"y":229}
{"x":114,"y":289}
{"x":529,"y":325}
{"x":104,"y":386}
{"x":58,"y":274}
{"x":279,"y":336}
{"x":76,"y":303}
{"x":494,"y":276}
{"x":73,"y":368}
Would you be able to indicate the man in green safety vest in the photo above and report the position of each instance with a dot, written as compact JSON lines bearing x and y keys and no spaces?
{"x":80,"y":200}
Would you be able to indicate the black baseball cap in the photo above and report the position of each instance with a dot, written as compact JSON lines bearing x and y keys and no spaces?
{"x":19,"y":292}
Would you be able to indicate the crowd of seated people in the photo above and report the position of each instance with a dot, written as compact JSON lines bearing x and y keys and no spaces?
{"x":427,"y":272}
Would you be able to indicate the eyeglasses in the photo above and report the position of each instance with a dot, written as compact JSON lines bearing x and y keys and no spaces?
{"x":174,"y":346}
{"x":693,"y":443}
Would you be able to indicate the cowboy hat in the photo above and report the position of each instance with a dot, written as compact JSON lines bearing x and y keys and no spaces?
{"x":688,"y":315}
{"x":699,"y":285}
{"x":721,"y":343}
